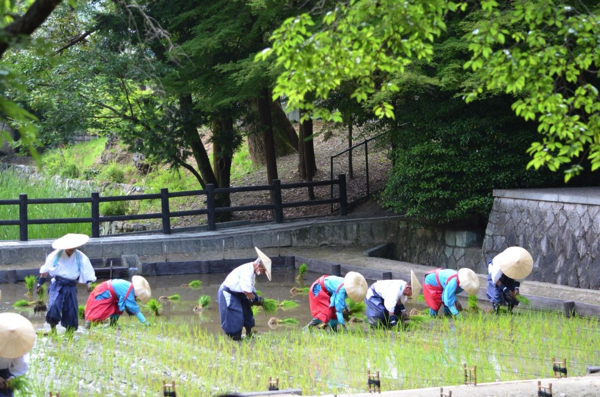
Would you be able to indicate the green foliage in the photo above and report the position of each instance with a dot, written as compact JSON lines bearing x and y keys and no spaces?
{"x":114,"y":208}
{"x":113,"y":173}
{"x":11,"y":184}
{"x":362,"y":42}
{"x":451,"y":156}
{"x":242,"y":163}
{"x":548,"y":52}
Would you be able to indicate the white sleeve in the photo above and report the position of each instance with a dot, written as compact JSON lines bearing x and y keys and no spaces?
{"x":47,"y":266}
{"x":392,"y":295}
{"x":87,"y":273}
{"x":19,"y":365}
{"x":496,"y":273}
{"x":247,"y":278}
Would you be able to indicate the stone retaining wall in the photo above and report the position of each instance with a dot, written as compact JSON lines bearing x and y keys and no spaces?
{"x":559,"y":227}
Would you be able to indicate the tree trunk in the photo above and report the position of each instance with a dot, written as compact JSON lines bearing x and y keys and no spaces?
{"x":264,"y":108}
{"x":192,"y":136}
{"x":223,"y":132}
{"x":308,"y":160}
{"x":285,"y":137}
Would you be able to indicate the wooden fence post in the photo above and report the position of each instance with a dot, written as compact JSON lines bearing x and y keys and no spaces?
{"x":277,"y":201}
{"x":343,"y":195}
{"x":95,"y":214}
{"x":210,"y":206}
{"x":164,"y":204}
{"x":23,"y":235}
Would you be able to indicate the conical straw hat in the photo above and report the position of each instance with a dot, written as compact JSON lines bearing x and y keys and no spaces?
{"x":141,"y":288}
{"x":17,"y":335}
{"x":69,"y":241}
{"x":515,"y":262}
{"x":468,"y":281}
{"x":266,"y":261}
{"x":356,"y":286}
{"x":416,"y":285}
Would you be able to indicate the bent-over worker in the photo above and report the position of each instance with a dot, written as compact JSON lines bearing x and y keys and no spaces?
{"x":66,"y":266}
{"x":17,"y":337}
{"x":503,"y":272}
{"x":441,"y":286}
{"x":327,"y":298}
{"x":237,"y":294}
{"x":386,"y":298}
{"x":113,"y":297}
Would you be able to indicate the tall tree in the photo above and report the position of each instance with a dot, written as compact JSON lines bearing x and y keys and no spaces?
{"x":543,"y":50}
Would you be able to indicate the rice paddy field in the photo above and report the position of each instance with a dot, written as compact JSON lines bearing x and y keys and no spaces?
{"x":189,"y":348}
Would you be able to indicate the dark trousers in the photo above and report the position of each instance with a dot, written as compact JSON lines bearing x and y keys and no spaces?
{"x":5,"y":374}
{"x":62,"y":306}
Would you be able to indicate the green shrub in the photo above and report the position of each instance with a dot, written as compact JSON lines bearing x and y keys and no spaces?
{"x":451,"y":156}
{"x":90,"y":173}
{"x":114,"y":208}
{"x":69,"y":170}
{"x":113,"y":173}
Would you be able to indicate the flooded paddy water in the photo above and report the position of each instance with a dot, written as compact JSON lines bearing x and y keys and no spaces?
{"x":191,"y":349}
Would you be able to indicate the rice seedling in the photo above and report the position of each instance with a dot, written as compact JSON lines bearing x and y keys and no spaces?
{"x":23,"y":303}
{"x":300,"y":276}
{"x":30,"y":282}
{"x":154,"y":306}
{"x":203,"y":302}
{"x":287,"y":304}
{"x":171,"y":298}
{"x":274,"y":321}
{"x":81,"y":311}
{"x":472,"y":303}
{"x":194,"y":284}
{"x":523,"y":300}
{"x":299,"y":291}
{"x":270,"y":305}
{"x":41,"y":295}
{"x":20,"y":384}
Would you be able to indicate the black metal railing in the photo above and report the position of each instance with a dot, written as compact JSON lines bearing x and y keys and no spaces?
{"x":276,"y":206}
{"x":365,"y":143}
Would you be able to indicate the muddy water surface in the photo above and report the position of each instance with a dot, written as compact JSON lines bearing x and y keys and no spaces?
{"x":182,"y":310}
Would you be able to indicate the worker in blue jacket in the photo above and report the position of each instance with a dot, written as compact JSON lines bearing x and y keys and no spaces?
{"x":504,"y":271}
{"x":441,"y":286}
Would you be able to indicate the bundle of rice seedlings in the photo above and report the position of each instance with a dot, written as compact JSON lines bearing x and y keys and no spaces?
{"x":194,"y":284}
{"x":300,"y":276}
{"x":524,"y":300}
{"x":355,"y":309}
{"x":274,"y":321}
{"x":30,"y":282}
{"x":472,"y":302}
{"x":23,"y":303}
{"x":203,"y":302}
{"x":42,"y":294}
{"x":299,"y":291}
{"x":288,"y":304}
{"x":81,"y":311}
{"x":270,"y":305}
{"x":21,"y":385}
{"x":154,"y":306}
{"x":171,"y":298}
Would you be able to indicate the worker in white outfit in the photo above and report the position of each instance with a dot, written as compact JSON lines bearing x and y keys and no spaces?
{"x":17,"y":337}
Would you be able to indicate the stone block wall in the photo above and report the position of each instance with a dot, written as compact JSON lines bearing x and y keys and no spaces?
{"x":559,"y":227}
{"x":435,"y":246}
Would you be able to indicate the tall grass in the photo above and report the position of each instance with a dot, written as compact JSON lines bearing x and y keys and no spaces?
{"x":11,"y":185}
